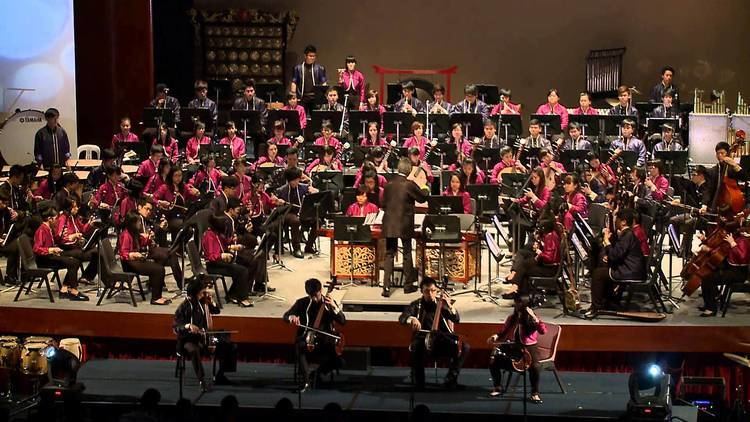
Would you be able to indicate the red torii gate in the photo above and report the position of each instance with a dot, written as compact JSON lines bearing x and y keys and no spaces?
{"x":447,"y":73}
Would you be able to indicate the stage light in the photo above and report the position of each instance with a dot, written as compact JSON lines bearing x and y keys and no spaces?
{"x":649,"y":394}
{"x":62,"y":367}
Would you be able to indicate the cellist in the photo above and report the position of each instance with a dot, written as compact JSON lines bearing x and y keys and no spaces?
{"x":726,"y":166}
{"x":320,"y":312}
{"x":733,"y":269}
{"x":420,"y":317}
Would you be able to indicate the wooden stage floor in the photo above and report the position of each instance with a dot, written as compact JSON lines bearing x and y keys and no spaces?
{"x":681,"y":331}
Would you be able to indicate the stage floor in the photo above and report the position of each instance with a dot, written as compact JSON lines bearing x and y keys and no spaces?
{"x":262,"y":323}
{"x":378,"y":389}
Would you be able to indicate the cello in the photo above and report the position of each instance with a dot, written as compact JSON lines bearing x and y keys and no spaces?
{"x":729,"y":199}
{"x":436,"y":339}
{"x":708,"y":261}
{"x":315,"y":334}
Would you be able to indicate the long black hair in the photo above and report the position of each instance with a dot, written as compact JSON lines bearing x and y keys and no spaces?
{"x":521,"y":316}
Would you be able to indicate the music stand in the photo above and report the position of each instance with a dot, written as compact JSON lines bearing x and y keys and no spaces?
{"x":653,"y":124}
{"x":153,"y":117}
{"x":444,"y":179}
{"x":489,"y":94}
{"x":612,"y":124}
{"x":249,"y":120}
{"x":443,"y":205}
{"x":221,"y":153}
{"x":645,"y":108}
{"x":189,"y":116}
{"x":360,"y":153}
{"x":471,"y":122}
{"x":358,"y":121}
{"x":289,"y":117}
{"x":572,"y":158}
{"x":510,"y":124}
{"x":261,"y":252}
{"x":486,"y":198}
{"x":319,"y":116}
{"x":675,"y":162}
{"x":398,"y":123}
{"x":348,"y":197}
{"x":592,"y":122}
{"x":139,"y":148}
{"x":551,"y":123}
{"x":443,"y":154}
{"x":439,"y":121}
{"x":275,"y":221}
{"x":528,"y":155}
{"x":487,"y":156}
{"x":629,"y":159}
{"x":311,"y":151}
{"x":512,"y":185}
{"x":352,"y":230}
{"x":329,"y":180}
{"x":441,"y":229}
{"x":316,"y":206}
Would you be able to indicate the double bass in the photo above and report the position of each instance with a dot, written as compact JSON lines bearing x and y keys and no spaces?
{"x":729,"y":199}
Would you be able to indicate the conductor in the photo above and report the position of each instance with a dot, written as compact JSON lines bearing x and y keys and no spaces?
{"x":406,"y":188}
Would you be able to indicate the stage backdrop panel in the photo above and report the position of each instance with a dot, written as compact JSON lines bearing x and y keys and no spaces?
{"x":37,"y":71}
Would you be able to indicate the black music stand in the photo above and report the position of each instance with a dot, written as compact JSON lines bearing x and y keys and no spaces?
{"x":512,"y":185}
{"x":358,"y":121}
{"x":441,"y":229}
{"x":551,"y":123}
{"x":319,"y":116}
{"x":348,"y":197}
{"x":316,"y":206}
{"x":629,"y":159}
{"x":471,"y":123}
{"x":588,"y":122}
{"x":329,"y":180}
{"x":645,"y":108}
{"x":360,"y":153}
{"x":489,"y":94}
{"x":311,"y":152}
{"x":221,"y":153}
{"x":443,"y":154}
{"x":275,"y":222}
{"x":270,"y":91}
{"x":248,"y":120}
{"x":572,"y":158}
{"x":443,"y":205}
{"x":289,"y":117}
{"x":654,"y":124}
{"x":397,"y":123}
{"x":486,"y":198}
{"x":439,"y":121}
{"x":444,"y":180}
{"x":530,"y":156}
{"x":675,"y":162}
{"x":612,"y":124}
{"x":189,"y":116}
{"x":510,"y":125}
{"x":352,"y":230}
{"x":487,"y":156}
{"x":153,"y":117}
{"x":139,"y":148}
{"x":394,"y":158}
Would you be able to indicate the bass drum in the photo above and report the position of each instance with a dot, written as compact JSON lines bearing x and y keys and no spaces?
{"x":17,"y":135}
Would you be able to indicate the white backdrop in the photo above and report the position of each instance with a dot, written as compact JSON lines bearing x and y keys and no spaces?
{"x":37,"y":52}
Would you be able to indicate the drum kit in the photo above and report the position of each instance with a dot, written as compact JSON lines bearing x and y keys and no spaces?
{"x":23,"y":364}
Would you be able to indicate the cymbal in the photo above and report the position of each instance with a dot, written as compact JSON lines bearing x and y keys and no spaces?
{"x":738,"y":359}
{"x":612,"y":101}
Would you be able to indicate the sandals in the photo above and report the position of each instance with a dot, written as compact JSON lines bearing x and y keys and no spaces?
{"x":164,"y":303}
{"x":244,"y":303}
{"x":496,"y":392}
{"x":535,"y":398}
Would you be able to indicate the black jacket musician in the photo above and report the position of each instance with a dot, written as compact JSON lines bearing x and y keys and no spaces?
{"x":191,"y":320}
{"x":304,"y":312}
{"x":419,"y":315}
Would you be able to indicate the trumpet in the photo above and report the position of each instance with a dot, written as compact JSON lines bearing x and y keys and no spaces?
{"x":407,"y":108}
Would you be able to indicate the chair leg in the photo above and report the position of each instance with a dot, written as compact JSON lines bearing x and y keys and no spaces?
{"x":22,"y":284}
{"x":218,"y":295}
{"x":132,"y":296}
{"x":630,"y":297}
{"x":101,"y":296}
{"x":49,"y":289}
{"x":727,"y":299}
{"x":559,"y":382}
{"x":56,"y":277}
{"x":656,"y":297}
{"x":140,"y":287}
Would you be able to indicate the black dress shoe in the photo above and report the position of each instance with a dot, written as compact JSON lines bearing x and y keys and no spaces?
{"x":386,"y":293}
{"x":298,"y":254}
{"x":64,"y":295}
{"x":508,"y":295}
{"x":310,"y":249}
{"x":591,"y":313}
{"x":410,"y":288}
{"x":205,"y":386}
{"x":80,"y":297}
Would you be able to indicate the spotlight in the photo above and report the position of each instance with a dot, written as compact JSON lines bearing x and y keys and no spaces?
{"x":649,"y":395}
{"x":62,"y":367}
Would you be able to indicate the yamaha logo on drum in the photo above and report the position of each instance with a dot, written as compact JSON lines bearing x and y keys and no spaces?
{"x":30,"y":119}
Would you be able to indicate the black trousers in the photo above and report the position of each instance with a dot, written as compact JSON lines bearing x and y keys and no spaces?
{"x":162,"y":257}
{"x":10,"y":251}
{"x":525,"y":265}
{"x":499,"y":366}
{"x":153,"y":270}
{"x":391,"y":247}
{"x":69,"y":263}
{"x":91,"y":256}
{"x":240,"y":289}
{"x":727,"y":274}
{"x":442,"y":350}
{"x":324,"y":354}
{"x":256,"y":267}
{"x":601,"y":285}
{"x":296,"y":226}
{"x":193,"y":351}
